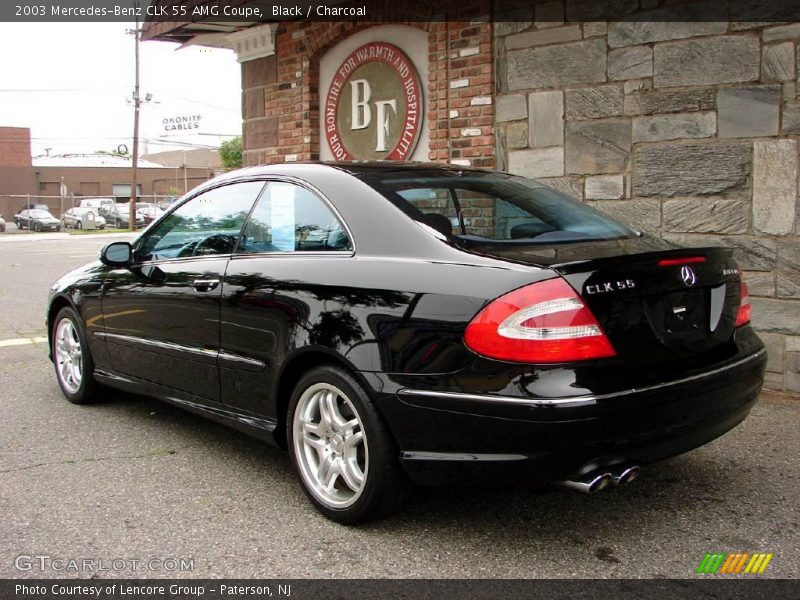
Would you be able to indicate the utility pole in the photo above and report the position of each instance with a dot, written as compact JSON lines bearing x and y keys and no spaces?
{"x":136,"y":104}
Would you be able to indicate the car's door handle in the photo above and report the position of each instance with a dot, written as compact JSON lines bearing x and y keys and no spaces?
{"x":205,"y":285}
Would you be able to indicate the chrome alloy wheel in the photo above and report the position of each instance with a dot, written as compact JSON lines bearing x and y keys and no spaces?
{"x":69,"y":356}
{"x":330,"y":445}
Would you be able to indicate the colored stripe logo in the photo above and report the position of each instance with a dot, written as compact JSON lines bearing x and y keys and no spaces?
{"x":734,"y":563}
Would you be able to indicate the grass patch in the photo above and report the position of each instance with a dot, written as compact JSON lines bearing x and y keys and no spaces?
{"x":97,"y":231}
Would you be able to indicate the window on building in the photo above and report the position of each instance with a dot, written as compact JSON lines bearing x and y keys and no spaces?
{"x":122,"y":191}
{"x":90,"y":188}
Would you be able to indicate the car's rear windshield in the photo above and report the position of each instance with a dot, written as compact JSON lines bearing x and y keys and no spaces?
{"x":494,"y":207}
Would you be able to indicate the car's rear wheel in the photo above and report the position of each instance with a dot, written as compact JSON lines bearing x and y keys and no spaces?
{"x":340,"y":447}
{"x":72,"y":359}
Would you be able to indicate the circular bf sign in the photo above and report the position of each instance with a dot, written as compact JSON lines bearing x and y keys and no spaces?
{"x":373,"y":109}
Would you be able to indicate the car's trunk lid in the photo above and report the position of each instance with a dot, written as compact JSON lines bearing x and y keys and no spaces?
{"x":656,"y":303}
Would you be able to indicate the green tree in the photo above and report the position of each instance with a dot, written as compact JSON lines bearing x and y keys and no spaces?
{"x":230,"y":153}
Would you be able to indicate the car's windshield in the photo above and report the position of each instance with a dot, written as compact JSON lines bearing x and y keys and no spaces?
{"x":494,"y":207}
{"x":40,"y":214}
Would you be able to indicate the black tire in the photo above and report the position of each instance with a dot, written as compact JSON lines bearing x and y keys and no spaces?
{"x":36,"y":227}
{"x":88,"y":390}
{"x":385,"y":485}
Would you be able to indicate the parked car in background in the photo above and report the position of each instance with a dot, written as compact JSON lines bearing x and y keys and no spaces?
{"x":37,"y":220}
{"x":389,"y":321}
{"x":2,"y":224}
{"x":119,"y":216}
{"x":33,"y":206}
{"x":149,"y":211}
{"x":75,"y":217}
{"x":100,"y":204}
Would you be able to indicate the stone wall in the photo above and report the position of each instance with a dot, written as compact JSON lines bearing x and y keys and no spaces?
{"x":688,"y":130}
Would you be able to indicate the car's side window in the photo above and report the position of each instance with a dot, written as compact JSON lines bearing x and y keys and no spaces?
{"x":208,"y":224}
{"x":290,"y":218}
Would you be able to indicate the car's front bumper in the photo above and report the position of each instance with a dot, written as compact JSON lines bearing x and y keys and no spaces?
{"x":452,"y":438}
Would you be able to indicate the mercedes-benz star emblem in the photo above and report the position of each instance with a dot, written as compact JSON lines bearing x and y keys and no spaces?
{"x":688,"y":276}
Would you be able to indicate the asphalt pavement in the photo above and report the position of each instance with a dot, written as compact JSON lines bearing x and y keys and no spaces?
{"x":134,"y":480}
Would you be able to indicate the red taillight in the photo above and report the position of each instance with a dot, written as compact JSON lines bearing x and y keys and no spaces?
{"x":686,"y":260}
{"x":545,"y":322}
{"x":743,"y":316}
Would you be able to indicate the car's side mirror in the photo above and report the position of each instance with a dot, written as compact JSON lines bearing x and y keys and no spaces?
{"x":117,"y":254}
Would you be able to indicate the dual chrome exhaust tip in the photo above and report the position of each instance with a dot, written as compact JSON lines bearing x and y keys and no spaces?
{"x":593,"y":482}
{"x":626,"y":475}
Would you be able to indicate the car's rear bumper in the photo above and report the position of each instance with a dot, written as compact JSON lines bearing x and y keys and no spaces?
{"x":450,"y":438}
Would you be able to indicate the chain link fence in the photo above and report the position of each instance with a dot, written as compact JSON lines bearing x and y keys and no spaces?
{"x":10,"y":205}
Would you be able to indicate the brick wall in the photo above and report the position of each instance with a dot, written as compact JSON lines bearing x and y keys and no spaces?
{"x":461,"y":81}
{"x":685,"y":129}
{"x":15,"y":147}
{"x":280,"y":93}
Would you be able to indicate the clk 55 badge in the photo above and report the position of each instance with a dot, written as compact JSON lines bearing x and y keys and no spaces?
{"x":610,"y":286}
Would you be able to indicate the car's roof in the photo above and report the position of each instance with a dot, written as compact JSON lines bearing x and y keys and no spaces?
{"x":352,"y":167}
{"x":383,"y":166}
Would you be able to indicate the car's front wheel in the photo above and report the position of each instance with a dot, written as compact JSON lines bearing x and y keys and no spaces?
{"x":72,"y":359}
{"x":340,"y":447}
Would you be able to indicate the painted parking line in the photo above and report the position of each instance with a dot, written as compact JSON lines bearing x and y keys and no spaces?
{"x":22,"y":341}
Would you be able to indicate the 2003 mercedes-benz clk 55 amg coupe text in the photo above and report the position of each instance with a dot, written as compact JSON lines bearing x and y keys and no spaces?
{"x":392,"y":323}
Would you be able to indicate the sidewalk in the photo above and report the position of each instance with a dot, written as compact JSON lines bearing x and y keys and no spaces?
{"x":13,"y":234}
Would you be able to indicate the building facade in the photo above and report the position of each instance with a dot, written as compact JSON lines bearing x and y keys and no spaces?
{"x":39,"y":180}
{"x":679,"y":118}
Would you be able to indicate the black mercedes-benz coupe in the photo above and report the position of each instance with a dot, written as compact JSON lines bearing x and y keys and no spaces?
{"x":391,"y":323}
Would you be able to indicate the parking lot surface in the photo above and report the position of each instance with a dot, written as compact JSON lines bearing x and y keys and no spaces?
{"x":136,"y":479}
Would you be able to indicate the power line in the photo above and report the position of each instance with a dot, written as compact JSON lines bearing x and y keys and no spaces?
{"x":60,"y":90}
{"x":113,"y":89}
